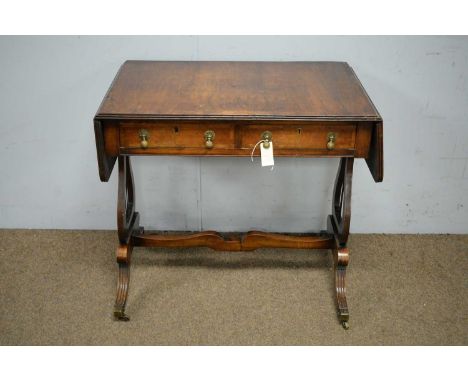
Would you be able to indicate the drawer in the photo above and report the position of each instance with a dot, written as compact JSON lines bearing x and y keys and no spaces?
{"x":312,"y":137}
{"x":175,"y":135}
{"x":189,"y":138}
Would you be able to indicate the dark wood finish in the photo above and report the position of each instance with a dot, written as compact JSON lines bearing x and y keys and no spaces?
{"x":175,"y":135}
{"x":234,"y":241}
{"x":375,"y":158}
{"x":112,"y":140}
{"x":127,"y":224}
{"x":341,"y":210}
{"x":254,"y":90}
{"x":106,"y":160}
{"x":169,"y":135}
{"x":243,"y":152}
{"x":187,"y":138}
{"x":175,"y":103}
{"x":127,"y":218}
{"x":363,"y":137}
{"x":338,"y":225}
{"x":257,"y":239}
{"x":123,"y":260}
{"x":340,"y":263}
{"x":237,"y":92}
{"x":301,"y":137}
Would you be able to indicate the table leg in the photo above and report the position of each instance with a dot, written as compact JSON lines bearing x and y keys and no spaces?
{"x":127,"y":222}
{"x":340,"y":260}
{"x":123,"y":260}
{"x":338,"y":225}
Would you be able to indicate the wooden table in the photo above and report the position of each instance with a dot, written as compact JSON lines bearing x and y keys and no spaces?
{"x":307,"y":109}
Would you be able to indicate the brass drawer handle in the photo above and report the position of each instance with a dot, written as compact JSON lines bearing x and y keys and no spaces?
{"x":266,"y":137}
{"x":143,"y":134}
{"x":331,"y":138}
{"x":209,"y":138}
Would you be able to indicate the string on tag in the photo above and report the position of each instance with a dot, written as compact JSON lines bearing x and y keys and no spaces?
{"x":253,"y":150}
{"x":256,"y":144}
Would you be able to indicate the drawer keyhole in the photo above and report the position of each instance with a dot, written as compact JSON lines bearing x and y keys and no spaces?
{"x":299,"y":131}
{"x":176,"y":129}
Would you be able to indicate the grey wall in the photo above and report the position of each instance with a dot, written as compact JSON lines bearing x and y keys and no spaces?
{"x":50,"y":88}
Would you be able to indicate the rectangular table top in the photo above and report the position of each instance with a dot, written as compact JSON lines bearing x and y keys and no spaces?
{"x":237,"y":90}
{"x":237,"y":95}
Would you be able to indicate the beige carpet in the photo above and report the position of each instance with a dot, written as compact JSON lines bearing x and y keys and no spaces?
{"x":57,"y":288}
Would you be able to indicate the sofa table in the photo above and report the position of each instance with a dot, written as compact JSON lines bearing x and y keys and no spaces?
{"x":306,"y":109}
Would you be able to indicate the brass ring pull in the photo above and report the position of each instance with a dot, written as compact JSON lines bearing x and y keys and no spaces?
{"x":143,"y":134}
{"x":266,"y":137}
{"x":331,"y":138}
{"x":209,"y":138}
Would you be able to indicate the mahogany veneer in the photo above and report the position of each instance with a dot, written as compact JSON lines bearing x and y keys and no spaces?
{"x":310,"y":109}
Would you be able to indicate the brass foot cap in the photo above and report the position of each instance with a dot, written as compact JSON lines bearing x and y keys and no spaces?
{"x":345,"y":325}
{"x":120,"y":315}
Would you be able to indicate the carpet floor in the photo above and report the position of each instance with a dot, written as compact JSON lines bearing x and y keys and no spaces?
{"x":58,"y":288}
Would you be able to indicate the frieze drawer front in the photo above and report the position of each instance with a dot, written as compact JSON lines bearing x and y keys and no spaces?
{"x":316,"y":137}
{"x":147,"y":135}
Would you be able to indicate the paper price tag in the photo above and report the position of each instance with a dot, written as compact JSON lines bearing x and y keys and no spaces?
{"x":267,"y":155}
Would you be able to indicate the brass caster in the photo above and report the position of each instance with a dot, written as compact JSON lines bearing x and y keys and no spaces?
{"x":345,"y":325}
{"x":121,"y":316}
{"x":141,"y":230}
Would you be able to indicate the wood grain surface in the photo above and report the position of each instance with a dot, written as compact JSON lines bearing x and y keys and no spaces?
{"x":308,"y":90}
{"x":176,"y":102}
